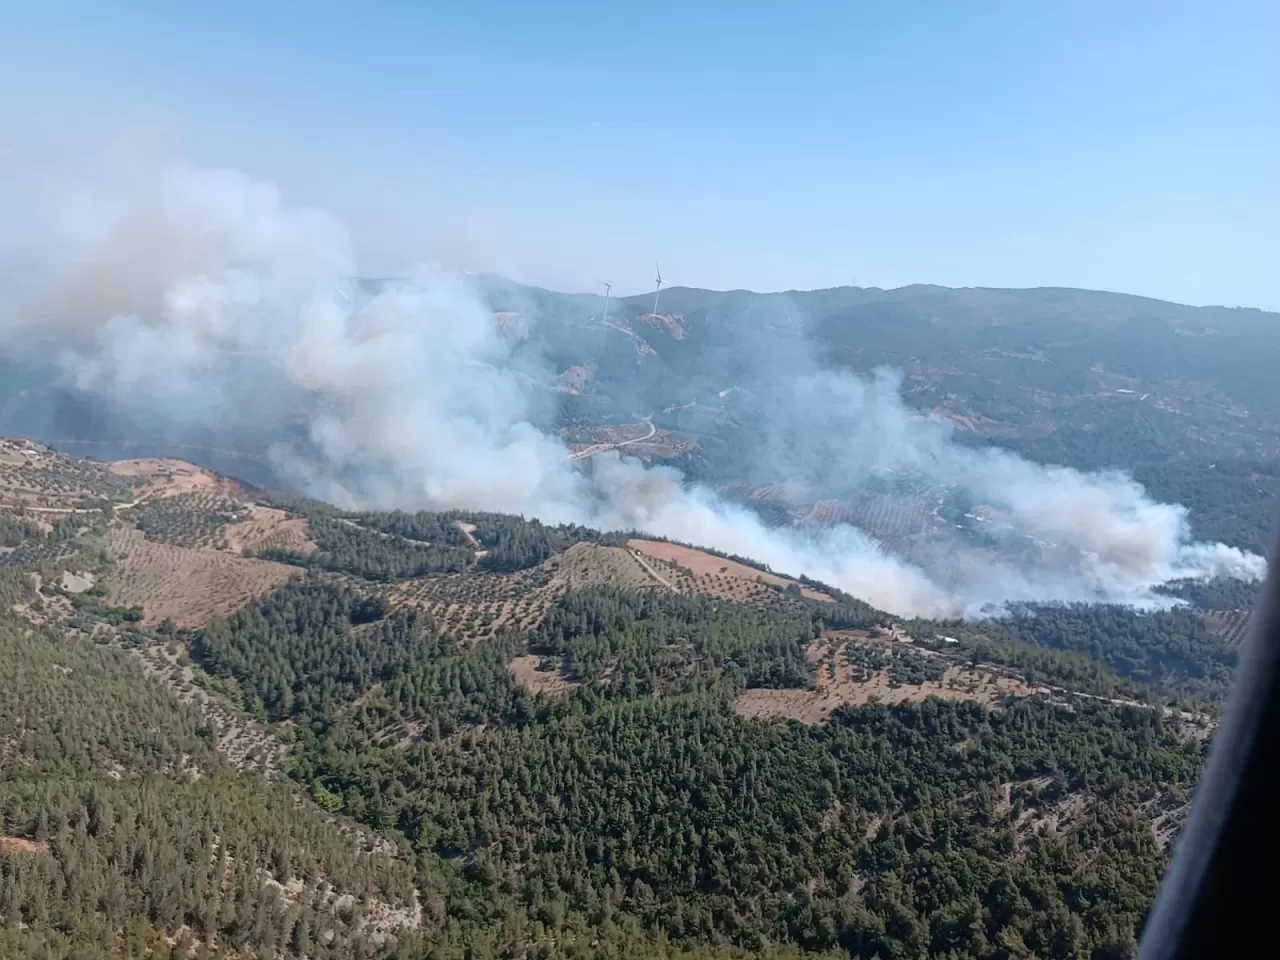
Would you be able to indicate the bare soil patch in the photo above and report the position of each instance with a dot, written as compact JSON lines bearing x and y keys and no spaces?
{"x":187,"y":585}
{"x":541,"y":675}
{"x":23,"y":846}
{"x":710,"y":569}
{"x":76,"y":582}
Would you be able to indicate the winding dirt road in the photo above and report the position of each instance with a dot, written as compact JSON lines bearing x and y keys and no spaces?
{"x":592,"y":450}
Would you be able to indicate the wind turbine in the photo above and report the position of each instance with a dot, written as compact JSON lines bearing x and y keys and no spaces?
{"x":607,"y":287}
{"x":658,"y":291}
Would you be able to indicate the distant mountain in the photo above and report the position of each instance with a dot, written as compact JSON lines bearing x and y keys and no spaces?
{"x":1083,"y":378}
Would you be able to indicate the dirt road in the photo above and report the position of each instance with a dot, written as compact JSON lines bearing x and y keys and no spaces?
{"x":592,"y":450}
{"x":639,"y":558}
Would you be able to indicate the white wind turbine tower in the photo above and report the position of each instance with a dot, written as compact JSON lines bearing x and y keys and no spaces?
{"x":607,"y":288}
{"x":658,"y":291}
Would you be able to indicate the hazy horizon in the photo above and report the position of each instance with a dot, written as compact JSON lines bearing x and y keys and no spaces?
{"x":1008,"y":145}
{"x":670,"y":287}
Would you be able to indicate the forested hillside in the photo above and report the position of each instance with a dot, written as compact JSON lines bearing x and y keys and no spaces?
{"x":124,"y":830}
{"x":255,"y":726}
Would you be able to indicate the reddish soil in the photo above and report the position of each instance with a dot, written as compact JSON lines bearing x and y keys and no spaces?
{"x":706,"y":565}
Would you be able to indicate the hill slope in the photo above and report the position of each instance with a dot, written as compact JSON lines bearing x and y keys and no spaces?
{"x":571,"y":743}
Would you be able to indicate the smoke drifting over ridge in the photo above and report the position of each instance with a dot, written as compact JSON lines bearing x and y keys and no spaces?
{"x":198,"y":296}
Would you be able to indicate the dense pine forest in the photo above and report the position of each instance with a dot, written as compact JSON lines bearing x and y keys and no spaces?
{"x":897,"y":832}
{"x":432,"y":800}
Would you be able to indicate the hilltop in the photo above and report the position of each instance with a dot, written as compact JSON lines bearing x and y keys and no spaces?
{"x":488,"y":731}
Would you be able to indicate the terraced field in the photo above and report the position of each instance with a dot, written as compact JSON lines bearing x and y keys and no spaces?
{"x":781,"y":493}
{"x":1231,"y":625}
{"x":696,"y":571}
{"x":474,"y":605}
{"x":888,"y":515}
{"x":187,"y":585}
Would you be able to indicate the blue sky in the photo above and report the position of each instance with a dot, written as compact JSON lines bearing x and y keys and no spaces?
{"x":1122,"y":145}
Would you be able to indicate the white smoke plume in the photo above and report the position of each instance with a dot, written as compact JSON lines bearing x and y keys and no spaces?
{"x":201,"y":294}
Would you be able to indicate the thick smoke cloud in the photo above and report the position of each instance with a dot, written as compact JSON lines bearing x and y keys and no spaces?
{"x":202,"y":297}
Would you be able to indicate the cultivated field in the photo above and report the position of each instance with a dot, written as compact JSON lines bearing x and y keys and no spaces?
{"x":884,"y":516}
{"x":267,"y":528}
{"x":184,"y":584}
{"x":44,"y":482}
{"x":1231,"y":625}
{"x":475,"y":605}
{"x":195,"y":519}
{"x":781,"y":493}
{"x":243,"y":741}
{"x":718,"y":576}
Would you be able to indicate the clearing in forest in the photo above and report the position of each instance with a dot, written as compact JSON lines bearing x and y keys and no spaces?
{"x":23,"y":846}
{"x":854,"y":673}
{"x":1231,"y":625}
{"x":541,"y":675}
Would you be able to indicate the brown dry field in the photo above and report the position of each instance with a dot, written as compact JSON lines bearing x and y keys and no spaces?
{"x":524,"y":670}
{"x":268,"y":527}
{"x":838,"y":688}
{"x":23,"y":846}
{"x":187,"y":585}
{"x":168,"y":477}
{"x":710,"y":567}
